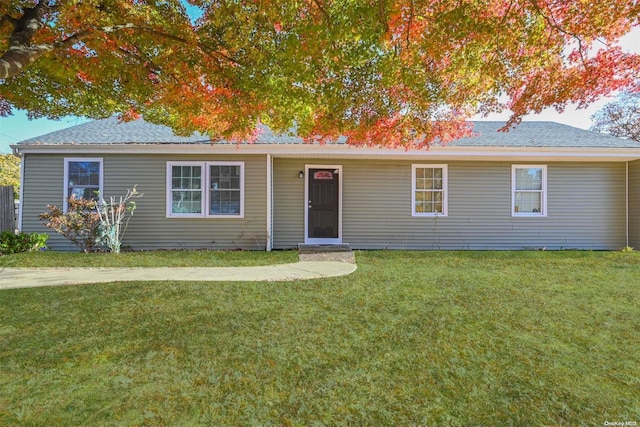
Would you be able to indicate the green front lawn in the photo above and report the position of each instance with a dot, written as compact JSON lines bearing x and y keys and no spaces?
{"x":411,"y":338}
{"x":148,"y":259}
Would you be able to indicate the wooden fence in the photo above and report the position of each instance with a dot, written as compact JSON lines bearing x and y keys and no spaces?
{"x":7,"y":209}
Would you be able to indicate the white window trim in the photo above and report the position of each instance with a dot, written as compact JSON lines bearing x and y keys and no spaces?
{"x":445,"y":190}
{"x":169,"y":190}
{"x":206,"y":167}
{"x":543,"y":203}
{"x":68,"y":160}
{"x":208,"y":190}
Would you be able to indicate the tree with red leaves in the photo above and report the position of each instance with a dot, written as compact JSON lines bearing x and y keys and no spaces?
{"x":380,"y":72}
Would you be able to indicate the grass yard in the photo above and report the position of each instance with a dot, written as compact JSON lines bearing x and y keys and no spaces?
{"x":148,"y":259}
{"x":411,"y":338}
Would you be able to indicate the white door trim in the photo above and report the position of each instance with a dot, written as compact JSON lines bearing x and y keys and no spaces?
{"x":307,"y":239}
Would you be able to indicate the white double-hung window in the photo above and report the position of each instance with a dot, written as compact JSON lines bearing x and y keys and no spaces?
{"x":205,"y":189}
{"x":529,"y":190}
{"x":185,"y":192}
{"x":82,"y":179}
{"x":428,"y":190}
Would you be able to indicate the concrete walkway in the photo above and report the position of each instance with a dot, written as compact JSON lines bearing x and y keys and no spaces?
{"x":305,"y":269}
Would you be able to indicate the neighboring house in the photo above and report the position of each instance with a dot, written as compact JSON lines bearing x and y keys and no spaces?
{"x":540,"y":185}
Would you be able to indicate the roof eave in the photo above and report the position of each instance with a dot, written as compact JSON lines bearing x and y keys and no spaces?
{"x":345,"y":151}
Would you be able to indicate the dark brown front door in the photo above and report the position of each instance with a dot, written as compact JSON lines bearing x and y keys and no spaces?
{"x":323,"y":204}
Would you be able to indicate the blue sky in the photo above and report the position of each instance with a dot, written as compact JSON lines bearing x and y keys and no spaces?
{"x":17,"y":127}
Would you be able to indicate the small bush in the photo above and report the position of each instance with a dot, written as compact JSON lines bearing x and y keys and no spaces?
{"x":11,"y":243}
{"x":114,"y":219}
{"x":79,"y":224}
{"x":87,"y":223}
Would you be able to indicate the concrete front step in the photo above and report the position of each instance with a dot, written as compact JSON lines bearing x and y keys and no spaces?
{"x":306,"y":248}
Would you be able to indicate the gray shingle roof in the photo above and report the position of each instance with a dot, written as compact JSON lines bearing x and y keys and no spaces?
{"x":525,"y":135}
{"x":112,"y":131}
{"x":540,"y":134}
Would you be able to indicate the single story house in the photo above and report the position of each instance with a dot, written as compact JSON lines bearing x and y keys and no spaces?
{"x":540,"y":185}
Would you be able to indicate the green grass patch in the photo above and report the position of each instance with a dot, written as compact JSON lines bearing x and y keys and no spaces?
{"x":411,"y":338}
{"x":148,"y":259}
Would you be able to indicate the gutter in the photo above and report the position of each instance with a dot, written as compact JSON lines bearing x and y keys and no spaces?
{"x":527,"y":154}
{"x":627,"y":203}
{"x":269,"y":241}
{"x":23,"y":160}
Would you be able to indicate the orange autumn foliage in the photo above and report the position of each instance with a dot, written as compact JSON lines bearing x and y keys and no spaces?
{"x":392,"y":73}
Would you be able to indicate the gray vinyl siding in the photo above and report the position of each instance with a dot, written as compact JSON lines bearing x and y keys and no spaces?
{"x":634,"y":204}
{"x":585,"y":207}
{"x":149,"y":227}
{"x":288,"y":202}
{"x":43,"y":185}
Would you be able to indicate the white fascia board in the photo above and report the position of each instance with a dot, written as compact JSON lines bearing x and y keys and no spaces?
{"x":346,"y":151}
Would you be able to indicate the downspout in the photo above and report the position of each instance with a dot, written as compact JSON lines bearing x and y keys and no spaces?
{"x":627,"y":202}
{"x":269,"y":241}
{"x":23,"y":159}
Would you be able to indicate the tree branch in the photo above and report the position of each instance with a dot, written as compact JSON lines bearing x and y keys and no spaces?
{"x":147,"y":63}
{"x":324,"y":12}
{"x":383,"y":16}
{"x":409,"y":24}
{"x":20,"y":53}
{"x":141,"y":58}
{"x":8,"y":18}
{"x":551,"y":21}
{"x":16,"y":58}
{"x":210,"y":53}
{"x":496,"y":52}
{"x":504,"y":17}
